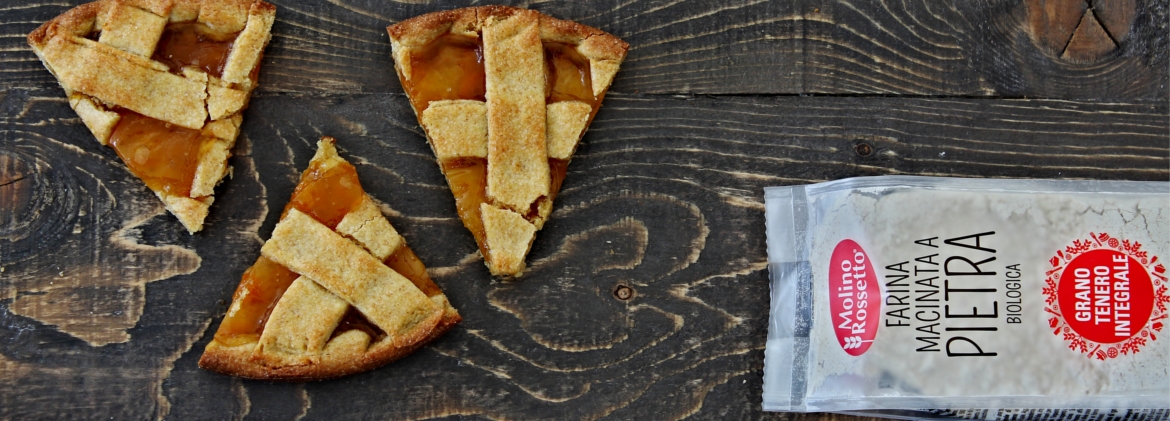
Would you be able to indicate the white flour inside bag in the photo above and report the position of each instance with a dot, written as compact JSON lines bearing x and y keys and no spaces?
{"x":931,"y":293}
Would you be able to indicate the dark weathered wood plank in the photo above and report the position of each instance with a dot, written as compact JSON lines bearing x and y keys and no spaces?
{"x":663,"y":197}
{"x":662,"y":202}
{"x":995,"y":48}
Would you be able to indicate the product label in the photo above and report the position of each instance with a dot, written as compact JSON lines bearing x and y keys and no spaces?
{"x":1106,"y":296}
{"x":955,"y":295}
{"x":969,"y":293}
{"x":855,"y":297}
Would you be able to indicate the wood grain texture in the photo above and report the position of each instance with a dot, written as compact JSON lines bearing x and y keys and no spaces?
{"x":887,"y":47}
{"x":84,"y":213}
{"x":1080,"y":30}
{"x":664,"y":197}
{"x":647,"y":295}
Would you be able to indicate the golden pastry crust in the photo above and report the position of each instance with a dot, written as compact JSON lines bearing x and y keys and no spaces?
{"x":513,"y":58}
{"x":566,"y":122}
{"x":226,"y":129}
{"x":191,"y":212}
{"x":385,"y":297}
{"x":117,"y":72}
{"x":213,"y":156}
{"x":300,"y":325}
{"x":132,"y":28}
{"x":117,"y":69}
{"x":338,"y":270}
{"x":344,"y":355}
{"x":457,"y":128}
{"x":223,"y":102}
{"x":122,"y":79}
{"x":523,"y":131}
{"x":368,"y":228}
{"x":604,"y":51}
{"x":417,"y":32}
{"x":96,"y":118}
{"x":249,"y":45}
{"x":510,"y":236}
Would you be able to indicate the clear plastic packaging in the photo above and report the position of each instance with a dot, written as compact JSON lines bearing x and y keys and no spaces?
{"x":903,"y":293}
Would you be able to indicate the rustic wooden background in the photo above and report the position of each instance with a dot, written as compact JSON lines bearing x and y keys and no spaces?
{"x":106,"y":302}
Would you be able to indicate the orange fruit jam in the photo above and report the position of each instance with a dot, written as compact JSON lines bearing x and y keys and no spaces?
{"x":450,"y":67}
{"x":468,"y":180}
{"x":354,"y":320}
{"x":327,"y":194}
{"x":184,"y":45}
{"x":259,"y":290}
{"x":568,"y":75}
{"x":406,"y":263}
{"x":163,"y":155}
{"x":557,"y":169}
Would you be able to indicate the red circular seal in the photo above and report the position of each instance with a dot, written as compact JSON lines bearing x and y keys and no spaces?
{"x":1107,"y":296}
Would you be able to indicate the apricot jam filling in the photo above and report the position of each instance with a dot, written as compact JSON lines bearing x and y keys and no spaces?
{"x":163,"y":155}
{"x":327,"y":194}
{"x":468,"y":180}
{"x":450,"y":67}
{"x":189,"y":45}
{"x":406,"y":263}
{"x":259,"y":290}
{"x":355,"y":320}
{"x":568,"y":77}
{"x":557,"y":170}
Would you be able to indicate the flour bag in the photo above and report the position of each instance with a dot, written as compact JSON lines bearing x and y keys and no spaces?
{"x":1012,"y":297}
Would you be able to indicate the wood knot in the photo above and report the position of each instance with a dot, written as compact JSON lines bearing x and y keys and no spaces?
{"x":623,"y":292}
{"x":863,"y":148}
{"x":1080,"y":30}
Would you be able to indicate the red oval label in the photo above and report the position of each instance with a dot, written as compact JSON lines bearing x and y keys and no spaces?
{"x":854,"y":297}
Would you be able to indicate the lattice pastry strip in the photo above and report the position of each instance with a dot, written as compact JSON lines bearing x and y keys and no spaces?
{"x":164,"y":82}
{"x":334,"y":300}
{"x":504,"y":96}
{"x":300,"y":325}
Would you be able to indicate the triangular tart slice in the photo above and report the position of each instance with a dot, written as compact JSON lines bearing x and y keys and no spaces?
{"x":336,"y":290}
{"x":504,"y":96}
{"x":163,"y":82}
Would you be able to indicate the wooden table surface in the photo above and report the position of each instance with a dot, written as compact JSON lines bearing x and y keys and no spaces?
{"x":106,"y":302}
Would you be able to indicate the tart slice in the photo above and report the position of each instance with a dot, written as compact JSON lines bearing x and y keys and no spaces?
{"x":504,"y":95}
{"x":163,"y":82}
{"x":335,"y":291}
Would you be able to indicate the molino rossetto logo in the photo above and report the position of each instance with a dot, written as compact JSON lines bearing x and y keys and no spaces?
{"x":1106,"y":296}
{"x":855,"y":297}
